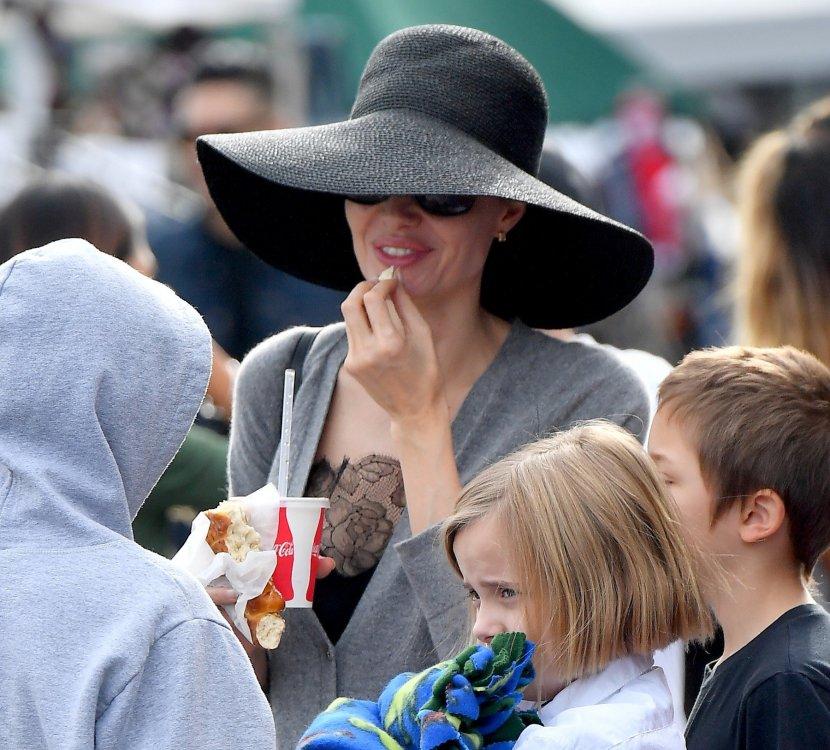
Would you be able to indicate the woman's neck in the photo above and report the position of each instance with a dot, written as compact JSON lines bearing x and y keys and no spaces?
{"x":466,"y":338}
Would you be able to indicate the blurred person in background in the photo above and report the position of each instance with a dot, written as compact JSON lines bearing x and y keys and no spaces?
{"x":783,"y":272}
{"x":57,"y":207}
{"x":617,"y":331}
{"x":134,"y":84}
{"x":637,"y":189}
{"x":241,"y":298}
{"x":640,"y":186}
{"x":653,"y":183}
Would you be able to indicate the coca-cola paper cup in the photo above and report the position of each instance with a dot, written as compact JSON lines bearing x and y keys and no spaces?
{"x":299,"y":529}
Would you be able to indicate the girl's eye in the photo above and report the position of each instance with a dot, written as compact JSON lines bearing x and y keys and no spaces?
{"x":472,"y":595}
{"x":507,"y":593}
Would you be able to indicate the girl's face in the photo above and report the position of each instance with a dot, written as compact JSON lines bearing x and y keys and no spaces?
{"x":433,"y":255}
{"x":482,"y":552}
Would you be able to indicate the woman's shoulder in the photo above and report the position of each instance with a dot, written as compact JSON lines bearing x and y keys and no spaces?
{"x":552,"y":361}
{"x":548,"y":345}
{"x":275,"y":354}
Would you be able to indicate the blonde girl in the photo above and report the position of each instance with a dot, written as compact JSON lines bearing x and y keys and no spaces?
{"x":574,"y":540}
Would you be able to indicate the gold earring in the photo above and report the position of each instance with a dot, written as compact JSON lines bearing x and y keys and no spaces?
{"x":502,"y":236}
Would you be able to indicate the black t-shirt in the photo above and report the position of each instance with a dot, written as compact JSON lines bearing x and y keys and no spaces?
{"x":772,"y":693}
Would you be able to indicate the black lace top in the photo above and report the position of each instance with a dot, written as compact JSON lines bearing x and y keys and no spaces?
{"x":367,"y":499}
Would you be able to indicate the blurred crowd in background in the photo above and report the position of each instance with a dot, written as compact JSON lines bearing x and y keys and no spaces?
{"x":117,"y":95}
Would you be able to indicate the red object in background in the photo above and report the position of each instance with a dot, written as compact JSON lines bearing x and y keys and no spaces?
{"x":284,"y":546}
{"x":315,"y":559}
{"x":651,"y":167}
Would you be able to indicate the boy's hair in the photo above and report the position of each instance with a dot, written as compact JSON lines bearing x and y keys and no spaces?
{"x":759,"y":418}
{"x":596,"y":543}
{"x":57,"y":206}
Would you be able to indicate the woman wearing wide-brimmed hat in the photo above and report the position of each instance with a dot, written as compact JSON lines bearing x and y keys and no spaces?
{"x":436,"y":372}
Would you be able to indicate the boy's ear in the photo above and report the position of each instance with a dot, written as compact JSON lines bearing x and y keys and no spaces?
{"x":762,"y":515}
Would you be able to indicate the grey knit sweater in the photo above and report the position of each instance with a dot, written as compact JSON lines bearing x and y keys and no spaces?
{"x":413,"y":612}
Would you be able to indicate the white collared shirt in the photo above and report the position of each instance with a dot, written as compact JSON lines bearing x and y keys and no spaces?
{"x":627,"y":706}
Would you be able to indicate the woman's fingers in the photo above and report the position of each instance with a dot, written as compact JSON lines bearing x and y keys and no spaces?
{"x":354,"y":314}
{"x":222,"y":595}
{"x":396,"y":318}
{"x":379,"y":309}
{"x":373,"y":327}
{"x":325,"y":566}
{"x":390,"y":306}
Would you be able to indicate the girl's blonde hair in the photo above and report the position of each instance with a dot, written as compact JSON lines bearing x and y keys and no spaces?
{"x":783,"y":271}
{"x":596,"y":543}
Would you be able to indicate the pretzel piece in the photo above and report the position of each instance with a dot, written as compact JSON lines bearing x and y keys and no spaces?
{"x":230,"y":532}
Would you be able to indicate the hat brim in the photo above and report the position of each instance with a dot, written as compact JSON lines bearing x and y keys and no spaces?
{"x":281,"y":193}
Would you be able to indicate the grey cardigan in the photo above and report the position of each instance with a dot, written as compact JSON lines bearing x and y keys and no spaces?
{"x":413,"y":612}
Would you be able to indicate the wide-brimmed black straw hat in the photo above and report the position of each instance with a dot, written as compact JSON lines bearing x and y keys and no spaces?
{"x":440,"y":110}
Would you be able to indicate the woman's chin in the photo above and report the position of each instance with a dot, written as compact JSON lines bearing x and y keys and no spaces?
{"x":428,"y":285}
{"x":414,"y":283}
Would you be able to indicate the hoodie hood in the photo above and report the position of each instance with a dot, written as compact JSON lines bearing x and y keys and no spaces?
{"x":102,"y":372}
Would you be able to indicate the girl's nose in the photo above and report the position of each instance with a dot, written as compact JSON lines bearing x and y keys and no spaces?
{"x":484,"y":628}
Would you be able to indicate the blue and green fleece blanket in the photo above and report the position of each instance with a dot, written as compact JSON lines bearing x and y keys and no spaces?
{"x":468,"y":703}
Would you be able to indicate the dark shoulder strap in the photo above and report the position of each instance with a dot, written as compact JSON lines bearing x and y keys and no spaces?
{"x":299,"y":355}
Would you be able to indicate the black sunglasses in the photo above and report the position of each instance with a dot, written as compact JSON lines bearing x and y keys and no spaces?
{"x":437,"y":205}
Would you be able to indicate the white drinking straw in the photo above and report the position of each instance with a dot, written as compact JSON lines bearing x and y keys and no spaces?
{"x":285,"y":437}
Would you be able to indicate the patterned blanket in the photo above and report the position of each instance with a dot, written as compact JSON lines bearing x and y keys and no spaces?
{"x":468,"y":703}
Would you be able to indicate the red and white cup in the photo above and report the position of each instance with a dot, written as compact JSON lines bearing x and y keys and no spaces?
{"x":299,"y":530}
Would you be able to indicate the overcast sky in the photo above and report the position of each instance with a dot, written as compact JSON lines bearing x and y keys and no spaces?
{"x":624,"y":14}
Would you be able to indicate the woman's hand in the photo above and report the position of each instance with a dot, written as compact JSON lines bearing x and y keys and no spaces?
{"x":391,"y":352}
{"x":223,"y":596}
{"x":392,"y":355}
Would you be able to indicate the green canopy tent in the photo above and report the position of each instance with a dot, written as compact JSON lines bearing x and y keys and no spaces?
{"x":583,"y":73}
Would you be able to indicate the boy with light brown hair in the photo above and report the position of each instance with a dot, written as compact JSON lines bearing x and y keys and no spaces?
{"x":742,"y":438}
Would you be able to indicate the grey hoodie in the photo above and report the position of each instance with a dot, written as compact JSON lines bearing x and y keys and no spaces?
{"x":102,"y":643}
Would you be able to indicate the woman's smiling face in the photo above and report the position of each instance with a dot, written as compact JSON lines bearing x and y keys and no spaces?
{"x":433,"y":255}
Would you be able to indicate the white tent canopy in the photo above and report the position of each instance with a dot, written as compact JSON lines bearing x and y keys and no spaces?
{"x":162,"y":14}
{"x":632,"y":15}
{"x":711,"y":42}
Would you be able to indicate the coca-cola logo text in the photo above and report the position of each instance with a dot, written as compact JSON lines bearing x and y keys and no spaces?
{"x":285,"y":549}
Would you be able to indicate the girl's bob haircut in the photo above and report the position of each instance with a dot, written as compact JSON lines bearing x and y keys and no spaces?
{"x":596,"y":543}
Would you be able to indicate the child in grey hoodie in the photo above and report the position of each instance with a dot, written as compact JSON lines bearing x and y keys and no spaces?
{"x":103,"y":644}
